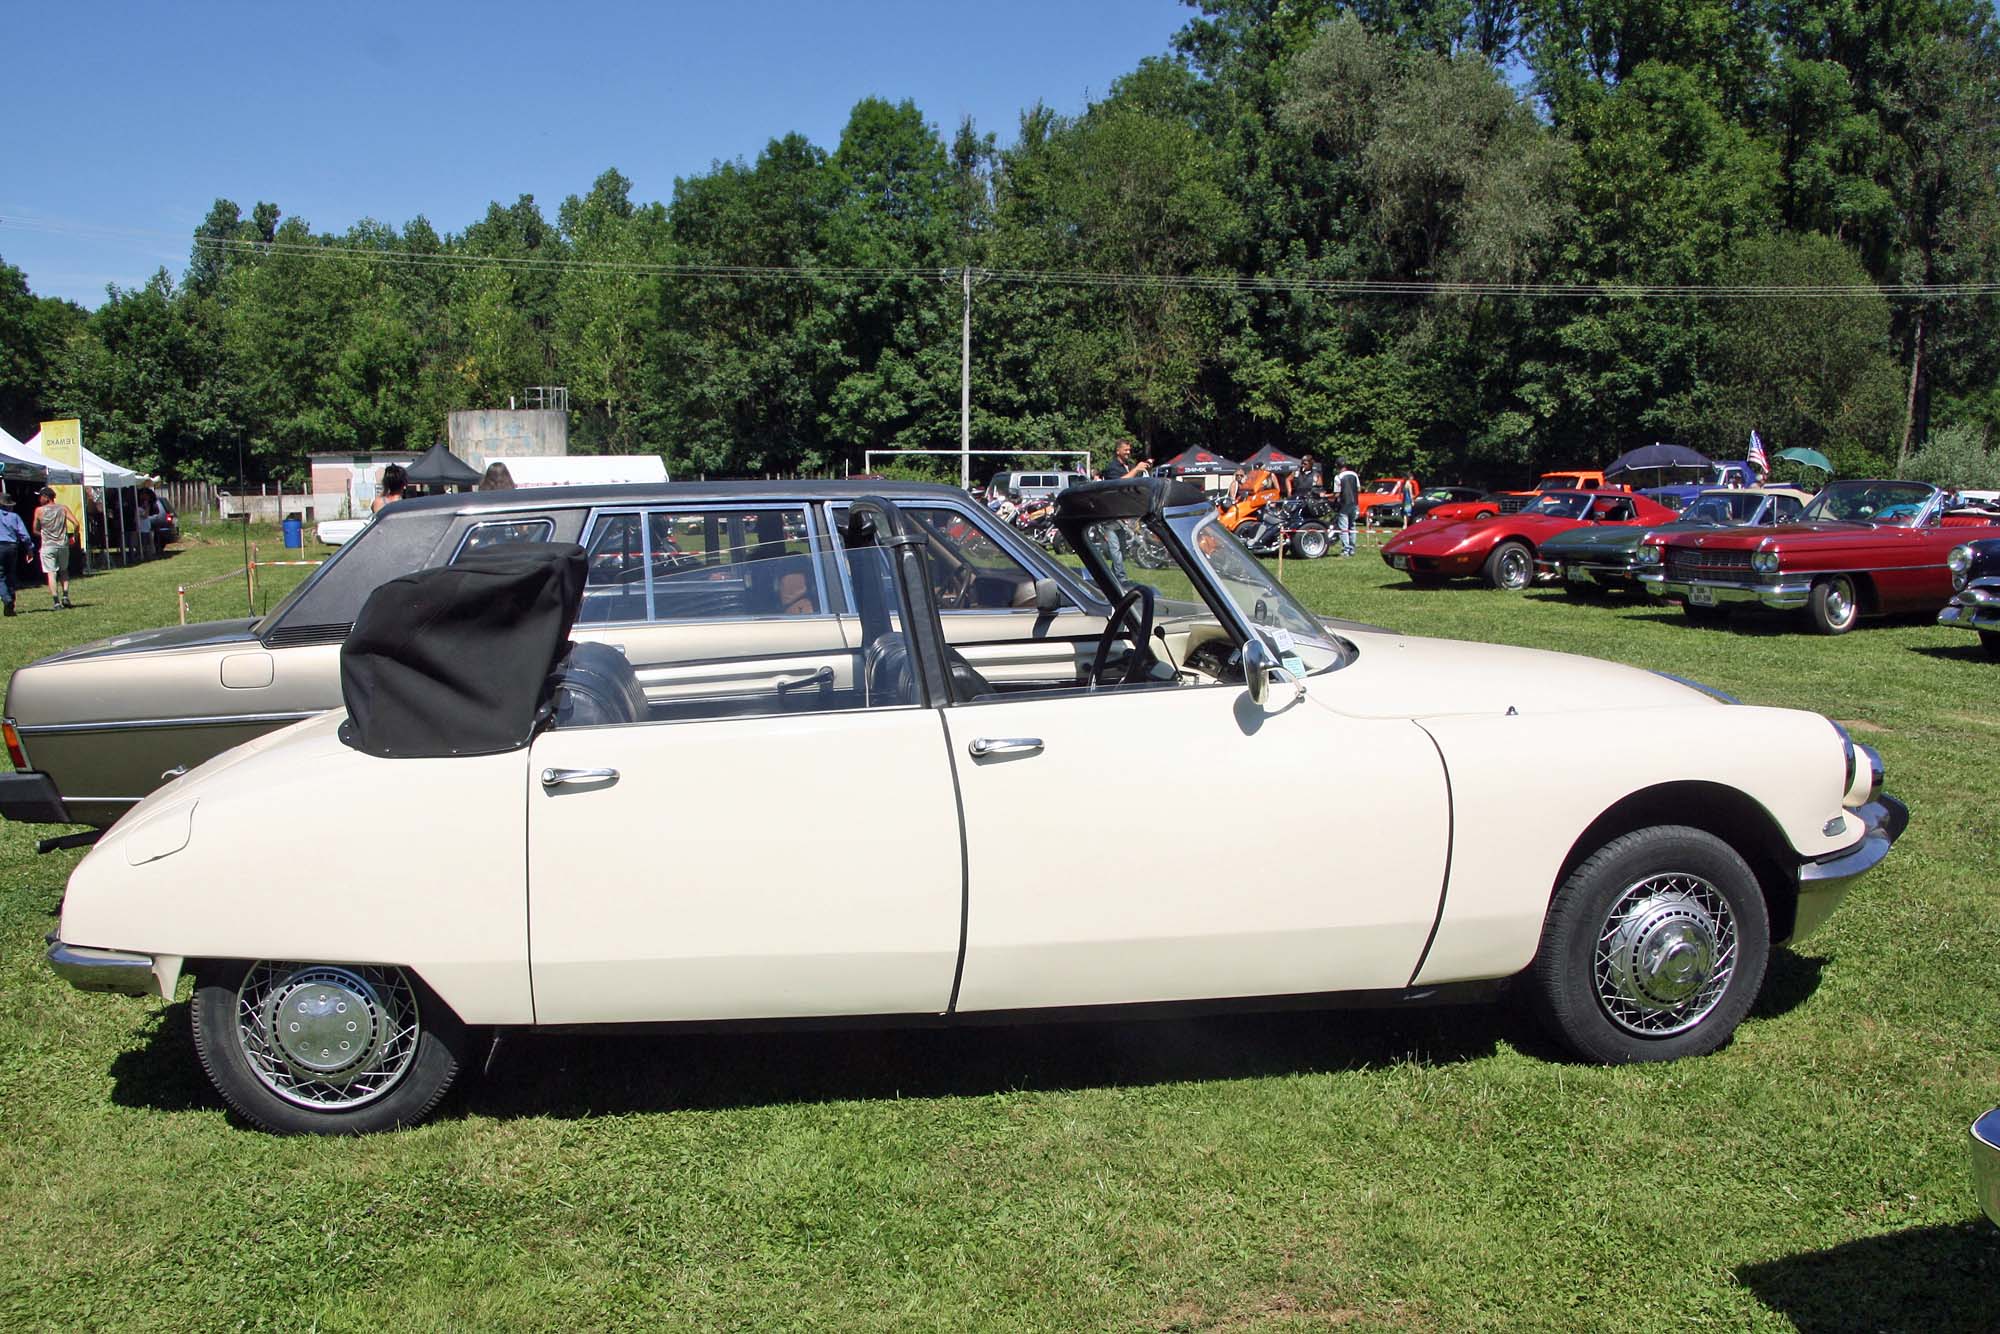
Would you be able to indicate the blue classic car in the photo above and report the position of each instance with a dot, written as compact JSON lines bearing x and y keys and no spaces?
{"x":1975,"y":599}
{"x":1734,"y":475}
{"x":1589,"y":559}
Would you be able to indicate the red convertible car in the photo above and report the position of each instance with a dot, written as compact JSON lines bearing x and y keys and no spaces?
{"x":1862,"y":548}
{"x":1501,"y":548}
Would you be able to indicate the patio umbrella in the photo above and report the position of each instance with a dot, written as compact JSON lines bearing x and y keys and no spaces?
{"x":440,"y":467}
{"x":1272,"y":458}
{"x":1196,"y":461}
{"x":1658,"y":458}
{"x":1812,"y":458}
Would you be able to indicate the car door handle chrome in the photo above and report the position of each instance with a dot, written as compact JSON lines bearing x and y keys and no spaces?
{"x":983,"y":746}
{"x":173,"y":773}
{"x":557,"y":777}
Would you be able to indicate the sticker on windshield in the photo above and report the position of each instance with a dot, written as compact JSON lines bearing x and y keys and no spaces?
{"x":1281,"y":639}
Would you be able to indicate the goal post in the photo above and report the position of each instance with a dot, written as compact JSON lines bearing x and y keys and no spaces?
{"x":1081,"y":457}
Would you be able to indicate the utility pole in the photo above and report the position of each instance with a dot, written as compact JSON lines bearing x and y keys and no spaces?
{"x":965,"y":390}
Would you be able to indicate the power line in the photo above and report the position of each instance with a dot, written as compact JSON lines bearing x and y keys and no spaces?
{"x":1229,"y":284}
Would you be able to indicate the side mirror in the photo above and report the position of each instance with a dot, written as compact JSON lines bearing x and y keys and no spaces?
{"x":1048,"y":595}
{"x":1262,"y":670}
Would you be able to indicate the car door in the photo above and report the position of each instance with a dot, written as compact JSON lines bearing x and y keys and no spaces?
{"x":1189,"y":845}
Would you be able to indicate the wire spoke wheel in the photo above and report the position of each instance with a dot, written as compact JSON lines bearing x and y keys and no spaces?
{"x":326,"y":1037}
{"x":1665,"y":954}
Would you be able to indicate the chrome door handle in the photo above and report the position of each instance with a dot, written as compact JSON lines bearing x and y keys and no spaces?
{"x":822,"y":677}
{"x":173,"y":773}
{"x":557,"y":777}
{"x":983,"y":746}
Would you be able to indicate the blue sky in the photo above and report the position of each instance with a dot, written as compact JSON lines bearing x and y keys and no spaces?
{"x":126,"y":121}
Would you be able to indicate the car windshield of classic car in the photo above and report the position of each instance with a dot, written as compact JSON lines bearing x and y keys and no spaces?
{"x":1560,"y":504}
{"x":1891,"y":504}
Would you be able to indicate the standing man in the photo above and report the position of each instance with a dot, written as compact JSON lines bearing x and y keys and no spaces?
{"x":13,"y":537}
{"x":1121,"y":465}
{"x":54,"y":522}
{"x":1347,"y":503}
{"x":1307,"y":482}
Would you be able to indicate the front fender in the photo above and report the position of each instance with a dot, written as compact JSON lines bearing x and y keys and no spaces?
{"x":1516,"y":814}
{"x":305,"y":848}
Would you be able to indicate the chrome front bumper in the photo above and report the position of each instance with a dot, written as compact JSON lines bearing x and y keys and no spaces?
{"x":104,"y":970}
{"x":1974,"y":608}
{"x":1985,"y":1146}
{"x":1824,"y":883}
{"x":1586,"y":572}
{"x":1777,"y":594}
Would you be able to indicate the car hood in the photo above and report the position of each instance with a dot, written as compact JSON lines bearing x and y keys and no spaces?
{"x":1433,"y":536}
{"x":1834,"y":532}
{"x":1601,"y":537}
{"x":1408,"y":676}
{"x":166,"y":637}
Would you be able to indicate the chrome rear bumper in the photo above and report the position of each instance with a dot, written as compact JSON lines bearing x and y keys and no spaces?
{"x":1974,"y":608}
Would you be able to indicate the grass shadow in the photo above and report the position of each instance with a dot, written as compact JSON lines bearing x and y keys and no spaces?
{"x":1930,"y":1278}
{"x":574,"y":1075}
{"x":1789,"y":982}
{"x":1969,"y":651}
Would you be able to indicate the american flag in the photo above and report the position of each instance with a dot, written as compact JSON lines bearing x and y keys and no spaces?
{"x":1756,"y":457}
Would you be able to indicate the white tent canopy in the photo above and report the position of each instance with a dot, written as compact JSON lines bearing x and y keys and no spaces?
{"x":103,"y":472}
{"x":584,"y":469}
{"x":18,"y":457}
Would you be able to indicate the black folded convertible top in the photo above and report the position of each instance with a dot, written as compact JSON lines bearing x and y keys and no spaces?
{"x":452,"y":661}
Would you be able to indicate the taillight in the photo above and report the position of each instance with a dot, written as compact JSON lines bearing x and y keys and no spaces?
{"x":14,"y":751}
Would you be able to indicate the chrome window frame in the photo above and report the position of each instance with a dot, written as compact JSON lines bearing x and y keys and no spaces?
{"x":683,"y":507}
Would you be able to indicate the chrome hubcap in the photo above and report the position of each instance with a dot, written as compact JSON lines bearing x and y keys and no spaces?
{"x":1665,"y":955}
{"x":1839,"y":601}
{"x":324,"y":1036}
{"x":1513,"y":569}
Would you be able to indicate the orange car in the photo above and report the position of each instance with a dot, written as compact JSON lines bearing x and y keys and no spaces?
{"x":1570,"y":479}
{"x":1259,"y":489}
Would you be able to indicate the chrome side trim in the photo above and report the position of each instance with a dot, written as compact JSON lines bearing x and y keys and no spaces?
{"x":1984,"y":1140}
{"x":103,"y":970}
{"x":140,"y":724}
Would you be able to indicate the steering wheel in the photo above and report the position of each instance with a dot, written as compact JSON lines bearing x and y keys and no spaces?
{"x":1135,"y":605}
{"x":958,"y":595}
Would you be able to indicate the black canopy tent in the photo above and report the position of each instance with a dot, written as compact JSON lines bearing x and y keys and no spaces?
{"x":1272,"y":458}
{"x":1195,"y":461}
{"x":440,"y":467}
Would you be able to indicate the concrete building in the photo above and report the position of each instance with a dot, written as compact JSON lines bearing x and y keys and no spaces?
{"x":485,"y":434}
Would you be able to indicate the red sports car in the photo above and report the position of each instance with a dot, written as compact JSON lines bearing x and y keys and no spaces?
{"x":1501,"y":548}
{"x":1863,"y":548}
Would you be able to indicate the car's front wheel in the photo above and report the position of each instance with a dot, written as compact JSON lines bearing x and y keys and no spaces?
{"x":1511,"y":566}
{"x":1833,"y":605}
{"x":1653,"y":948}
{"x":326,"y":1049}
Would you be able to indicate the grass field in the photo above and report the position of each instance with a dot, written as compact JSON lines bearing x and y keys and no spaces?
{"x":1427,"y":1170}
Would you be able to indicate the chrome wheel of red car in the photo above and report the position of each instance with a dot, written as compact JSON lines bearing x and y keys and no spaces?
{"x":1833,"y":606}
{"x":1510,"y":566}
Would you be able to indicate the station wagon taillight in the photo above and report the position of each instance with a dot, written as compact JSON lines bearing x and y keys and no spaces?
{"x":14,"y":751}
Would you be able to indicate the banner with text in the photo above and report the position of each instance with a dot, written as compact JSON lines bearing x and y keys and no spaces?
{"x":63,"y":442}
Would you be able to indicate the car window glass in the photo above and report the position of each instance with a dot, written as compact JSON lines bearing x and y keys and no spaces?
{"x":700,"y":564}
{"x":969,"y":570}
{"x":501,"y":531}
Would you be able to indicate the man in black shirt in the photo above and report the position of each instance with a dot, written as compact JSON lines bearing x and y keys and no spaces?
{"x":1347,"y":503}
{"x":1121,"y":464}
{"x":1307,"y":482}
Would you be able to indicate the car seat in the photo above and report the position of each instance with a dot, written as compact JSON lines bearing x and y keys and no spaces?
{"x":594,"y":685}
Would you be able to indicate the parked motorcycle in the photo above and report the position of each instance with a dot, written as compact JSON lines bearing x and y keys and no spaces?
{"x":1302,"y":523}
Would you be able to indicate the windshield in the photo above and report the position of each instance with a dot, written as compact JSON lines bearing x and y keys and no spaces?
{"x":1561,"y":504}
{"x":1558,"y":481}
{"x":1292,"y":632}
{"x":1896,"y":504}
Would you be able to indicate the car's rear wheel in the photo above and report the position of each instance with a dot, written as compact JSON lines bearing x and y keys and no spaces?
{"x":1653,"y":948}
{"x":1310,"y":542}
{"x":1833,"y":605}
{"x":1511,"y":566}
{"x":325,"y":1049}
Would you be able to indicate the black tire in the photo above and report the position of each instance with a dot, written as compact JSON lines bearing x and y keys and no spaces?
{"x":1653,"y":949}
{"x":1835,"y":604}
{"x":1704,"y":615}
{"x":398,"y":1081}
{"x":1310,"y":542}
{"x":1990,"y":641}
{"x":1511,"y":566}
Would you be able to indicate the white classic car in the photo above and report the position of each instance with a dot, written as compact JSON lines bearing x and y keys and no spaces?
{"x":843,"y":842}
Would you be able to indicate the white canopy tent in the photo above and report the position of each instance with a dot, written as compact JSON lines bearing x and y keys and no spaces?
{"x":105,"y":475}
{"x":20,"y":461}
{"x":584,"y":469}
